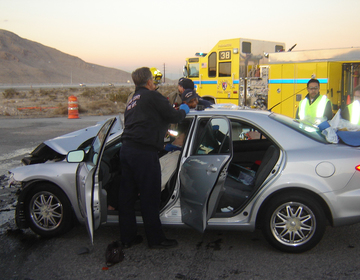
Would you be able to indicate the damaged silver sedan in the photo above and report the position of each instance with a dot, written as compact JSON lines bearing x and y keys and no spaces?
{"x":234,"y":169}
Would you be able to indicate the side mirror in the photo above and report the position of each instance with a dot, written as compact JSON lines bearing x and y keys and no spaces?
{"x":75,"y":156}
{"x":185,"y":72}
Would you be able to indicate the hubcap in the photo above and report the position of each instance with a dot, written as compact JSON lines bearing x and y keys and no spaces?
{"x":46,"y":211}
{"x":293,"y":224}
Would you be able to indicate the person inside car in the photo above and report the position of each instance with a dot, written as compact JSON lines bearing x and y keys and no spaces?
{"x":175,"y":96}
{"x":169,"y":160}
{"x":192,"y":99}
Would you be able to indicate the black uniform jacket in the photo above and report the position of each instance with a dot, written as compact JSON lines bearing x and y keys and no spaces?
{"x":147,"y":117}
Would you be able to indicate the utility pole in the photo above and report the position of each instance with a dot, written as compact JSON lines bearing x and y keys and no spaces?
{"x":164,"y":73}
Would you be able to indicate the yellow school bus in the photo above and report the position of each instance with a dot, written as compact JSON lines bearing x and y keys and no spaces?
{"x":234,"y":71}
{"x":336,"y":69}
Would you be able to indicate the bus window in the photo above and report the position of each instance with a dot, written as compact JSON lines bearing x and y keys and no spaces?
{"x":279,"y":48}
{"x":212,"y":64}
{"x":246,"y":47}
{"x":225,"y":69}
{"x":193,"y":70}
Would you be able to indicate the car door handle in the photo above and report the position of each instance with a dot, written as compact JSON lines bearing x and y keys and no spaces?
{"x":212,"y":169}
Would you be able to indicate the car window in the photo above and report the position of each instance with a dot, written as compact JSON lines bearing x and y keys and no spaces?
{"x":304,"y":128}
{"x":249,"y":146}
{"x":243,"y":131}
{"x":96,"y":145}
{"x":212,"y":136}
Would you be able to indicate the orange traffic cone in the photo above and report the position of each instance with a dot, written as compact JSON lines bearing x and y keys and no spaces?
{"x":73,"y":111}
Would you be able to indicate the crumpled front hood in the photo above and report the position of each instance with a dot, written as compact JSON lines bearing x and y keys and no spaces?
{"x":58,"y":147}
{"x":71,"y":141}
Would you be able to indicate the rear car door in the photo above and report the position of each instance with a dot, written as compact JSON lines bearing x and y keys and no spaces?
{"x":91,"y":196}
{"x":203,"y":173}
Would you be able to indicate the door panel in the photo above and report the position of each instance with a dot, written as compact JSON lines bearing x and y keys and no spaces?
{"x":89,"y":191}
{"x":198,"y":179}
{"x":202,"y":174}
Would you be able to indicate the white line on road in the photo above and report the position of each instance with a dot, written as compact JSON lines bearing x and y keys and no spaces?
{"x":16,"y":153}
{"x":10,"y":160}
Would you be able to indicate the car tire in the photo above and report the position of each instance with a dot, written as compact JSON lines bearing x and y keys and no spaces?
{"x":293,"y":223}
{"x":48,"y":211}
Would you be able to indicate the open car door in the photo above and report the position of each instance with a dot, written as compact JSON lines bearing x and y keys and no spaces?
{"x":203,"y":173}
{"x":91,"y":196}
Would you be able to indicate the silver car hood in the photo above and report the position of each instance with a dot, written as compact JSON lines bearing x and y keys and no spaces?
{"x":71,"y":141}
{"x":57,"y":148}
{"x":67,"y":142}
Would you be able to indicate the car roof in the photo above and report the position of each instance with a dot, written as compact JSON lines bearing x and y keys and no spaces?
{"x":230,"y":110}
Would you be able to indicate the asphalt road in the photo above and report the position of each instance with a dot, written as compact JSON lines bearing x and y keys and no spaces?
{"x":19,"y":137}
{"x":216,"y":254}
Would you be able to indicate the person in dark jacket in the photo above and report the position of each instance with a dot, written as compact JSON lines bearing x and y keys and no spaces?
{"x":175,"y":96}
{"x":147,"y":117}
{"x":192,"y":99}
{"x":157,"y":76}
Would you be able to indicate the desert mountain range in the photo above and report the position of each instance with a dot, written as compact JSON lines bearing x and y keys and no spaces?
{"x":26,"y":62}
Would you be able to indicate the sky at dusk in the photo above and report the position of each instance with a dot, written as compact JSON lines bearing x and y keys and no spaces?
{"x":130,"y":34}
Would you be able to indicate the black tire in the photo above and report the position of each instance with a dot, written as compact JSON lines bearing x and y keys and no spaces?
{"x":48,"y":210}
{"x":293,"y":223}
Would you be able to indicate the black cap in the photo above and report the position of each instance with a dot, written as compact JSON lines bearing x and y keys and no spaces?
{"x":188,"y":95}
{"x":186,"y":83}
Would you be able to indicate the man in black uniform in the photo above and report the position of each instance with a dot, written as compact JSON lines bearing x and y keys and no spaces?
{"x":147,"y":117}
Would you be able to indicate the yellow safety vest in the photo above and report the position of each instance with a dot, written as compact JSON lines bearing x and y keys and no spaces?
{"x":315,"y":111}
{"x":354,"y":112}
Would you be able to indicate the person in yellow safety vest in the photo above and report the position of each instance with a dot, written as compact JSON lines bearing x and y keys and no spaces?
{"x":314,"y":107}
{"x":352,"y":111}
{"x":157,"y":76}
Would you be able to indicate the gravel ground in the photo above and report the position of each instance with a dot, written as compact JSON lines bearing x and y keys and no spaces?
{"x":36,"y":104}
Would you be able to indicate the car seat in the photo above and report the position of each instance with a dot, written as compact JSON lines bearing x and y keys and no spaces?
{"x":236,"y":193}
{"x":267,"y":164}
